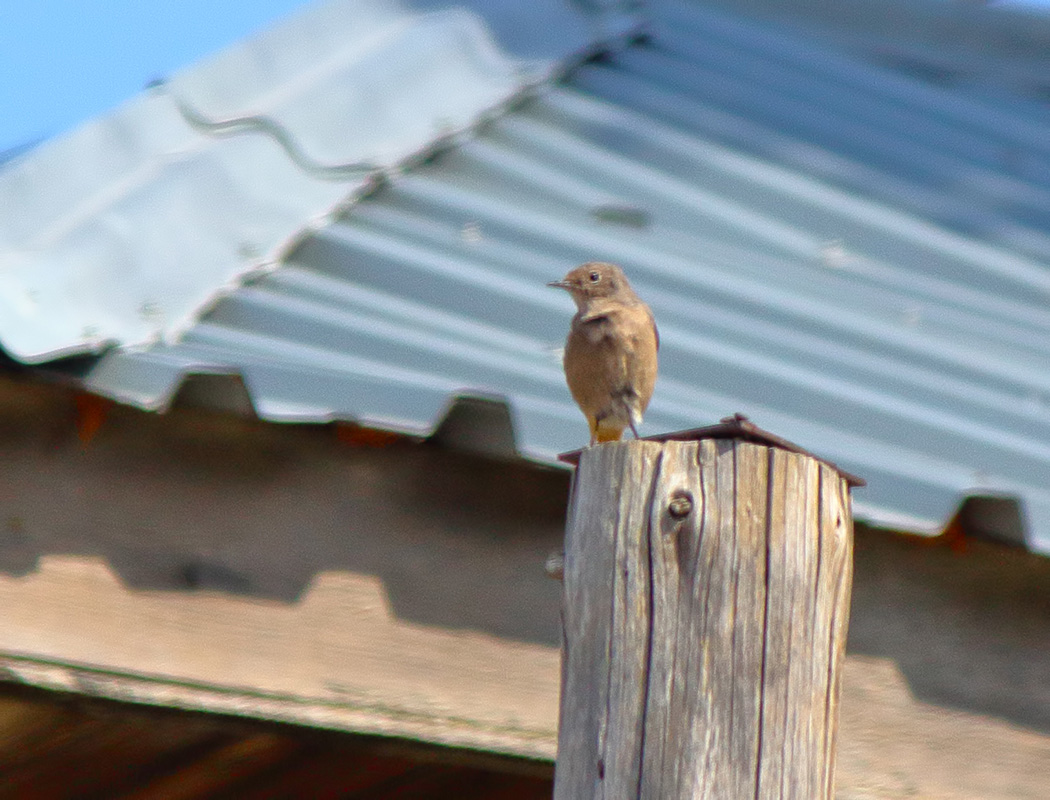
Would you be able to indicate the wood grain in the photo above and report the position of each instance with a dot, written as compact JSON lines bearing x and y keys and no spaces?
{"x":705,"y":608}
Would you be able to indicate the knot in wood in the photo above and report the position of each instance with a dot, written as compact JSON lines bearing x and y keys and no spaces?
{"x":681,"y":504}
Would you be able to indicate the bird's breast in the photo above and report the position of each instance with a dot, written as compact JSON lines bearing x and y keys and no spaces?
{"x":608,"y":353}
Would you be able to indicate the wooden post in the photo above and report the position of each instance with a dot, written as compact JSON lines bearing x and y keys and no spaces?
{"x":706,"y":600}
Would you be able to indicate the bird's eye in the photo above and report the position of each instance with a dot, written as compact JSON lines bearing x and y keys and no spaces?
{"x":595,"y":277}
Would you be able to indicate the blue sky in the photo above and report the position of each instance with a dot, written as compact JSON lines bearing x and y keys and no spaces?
{"x":64,"y":61}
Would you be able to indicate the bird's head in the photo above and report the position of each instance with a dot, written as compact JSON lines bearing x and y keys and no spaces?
{"x":594,"y":280}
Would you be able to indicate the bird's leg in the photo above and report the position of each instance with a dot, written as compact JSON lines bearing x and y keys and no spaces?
{"x":634,"y":430}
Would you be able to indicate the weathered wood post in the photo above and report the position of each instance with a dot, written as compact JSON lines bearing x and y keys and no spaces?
{"x":706,"y":600}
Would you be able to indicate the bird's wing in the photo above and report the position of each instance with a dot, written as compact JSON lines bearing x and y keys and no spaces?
{"x":652,"y":321}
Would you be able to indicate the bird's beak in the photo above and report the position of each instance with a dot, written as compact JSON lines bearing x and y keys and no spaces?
{"x":560,"y":285}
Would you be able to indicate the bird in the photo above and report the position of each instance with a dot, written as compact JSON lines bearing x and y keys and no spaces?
{"x":611,"y":352}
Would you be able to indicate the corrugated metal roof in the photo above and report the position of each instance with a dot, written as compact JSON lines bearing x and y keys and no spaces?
{"x":119,"y":232}
{"x":11,"y":153}
{"x":851,"y":256}
{"x":978,"y":49}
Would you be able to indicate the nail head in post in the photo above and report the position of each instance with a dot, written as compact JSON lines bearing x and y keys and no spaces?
{"x":681,"y":504}
{"x":555,"y":566}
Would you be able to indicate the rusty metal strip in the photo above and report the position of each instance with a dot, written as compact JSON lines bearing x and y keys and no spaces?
{"x":735,"y":427}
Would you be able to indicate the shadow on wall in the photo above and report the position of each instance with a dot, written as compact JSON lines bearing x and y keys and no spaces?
{"x":968,"y":629}
{"x":193,"y":500}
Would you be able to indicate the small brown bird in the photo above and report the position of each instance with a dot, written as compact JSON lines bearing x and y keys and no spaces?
{"x":610,"y":355}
